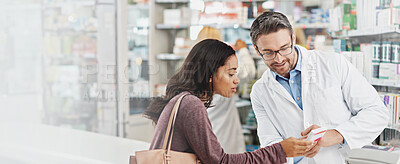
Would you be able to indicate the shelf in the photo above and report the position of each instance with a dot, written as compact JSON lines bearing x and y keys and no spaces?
{"x":171,"y":27}
{"x":242,"y":103}
{"x":73,"y":3}
{"x":22,"y":7}
{"x":389,"y":31}
{"x":138,"y":27}
{"x":172,"y":1}
{"x":138,"y":6}
{"x":249,"y":127}
{"x":178,"y":27}
{"x":187,"y":1}
{"x":393,"y":128}
{"x":171,"y":57}
{"x":384,"y":82}
{"x":70,"y":31}
{"x":311,"y":25}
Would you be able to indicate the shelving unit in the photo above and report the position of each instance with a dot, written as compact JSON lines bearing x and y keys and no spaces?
{"x":75,"y":54}
{"x":311,"y":26}
{"x":161,"y":42}
{"x":375,"y":29}
{"x":385,"y":32}
{"x":171,"y":57}
{"x":162,"y":37}
{"x":64,"y":53}
{"x":75,"y":3}
{"x":172,"y":1}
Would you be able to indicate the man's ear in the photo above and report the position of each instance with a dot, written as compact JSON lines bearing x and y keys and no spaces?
{"x":294,"y":37}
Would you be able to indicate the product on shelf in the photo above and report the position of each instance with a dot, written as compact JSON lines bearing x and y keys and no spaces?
{"x":182,"y":46}
{"x":361,"y":15}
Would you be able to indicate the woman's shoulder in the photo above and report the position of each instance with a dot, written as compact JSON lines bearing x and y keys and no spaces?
{"x":189,"y":104}
{"x":191,"y":100}
{"x":187,"y":99}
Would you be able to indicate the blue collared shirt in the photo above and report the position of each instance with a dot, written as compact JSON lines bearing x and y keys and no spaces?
{"x":293,"y":84}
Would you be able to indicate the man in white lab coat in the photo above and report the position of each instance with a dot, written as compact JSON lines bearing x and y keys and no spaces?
{"x":303,"y":90}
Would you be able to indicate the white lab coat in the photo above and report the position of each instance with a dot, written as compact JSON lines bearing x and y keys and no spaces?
{"x":335,"y":96}
{"x":247,"y":67}
{"x":246,"y":71}
{"x":225,"y":121}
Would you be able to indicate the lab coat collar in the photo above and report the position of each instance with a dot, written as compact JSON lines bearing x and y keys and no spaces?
{"x":270,"y":81}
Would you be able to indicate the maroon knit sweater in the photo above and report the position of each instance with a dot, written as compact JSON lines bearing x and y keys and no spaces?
{"x":193,"y":134}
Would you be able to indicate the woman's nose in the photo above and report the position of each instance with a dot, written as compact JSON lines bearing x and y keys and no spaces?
{"x":236,"y":81}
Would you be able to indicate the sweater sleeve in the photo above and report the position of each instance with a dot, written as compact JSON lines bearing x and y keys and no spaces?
{"x":202,"y":140}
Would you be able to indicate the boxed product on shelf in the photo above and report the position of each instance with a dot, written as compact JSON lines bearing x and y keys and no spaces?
{"x":377,"y":51}
{"x":189,"y":16}
{"x":316,"y":15}
{"x":375,"y":70}
{"x":356,"y":58}
{"x":386,"y":51}
{"x":395,"y":57}
{"x":395,"y":15}
{"x":366,"y":49}
{"x":172,"y":16}
{"x":335,"y":19}
{"x":388,"y":17}
{"x":357,"y":15}
{"x":339,"y":45}
{"x":182,"y":46}
{"x":181,"y":16}
{"x":396,"y":4}
{"x":388,"y":71}
{"x":392,"y":102}
{"x":160,"y":89}
{"x":52,"y":45}
{"x":224,"y":13}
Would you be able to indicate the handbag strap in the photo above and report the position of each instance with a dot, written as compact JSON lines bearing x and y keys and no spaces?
{"x":171,"y":123}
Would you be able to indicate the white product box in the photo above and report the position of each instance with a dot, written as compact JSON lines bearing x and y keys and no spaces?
{"x":386,"y":50}
{"x":359,"y":61}
{"x":172,"y":16}
{"x":395,"y":58}
{"x":388,"y":71}
{"x":377,"y":48}
{"x":316,"y":134}
{"x":375,"y":70}
{"x":383,"y":17}
{"x":366,"y":48}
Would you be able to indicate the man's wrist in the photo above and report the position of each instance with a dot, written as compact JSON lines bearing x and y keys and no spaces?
{"x":339,"y":137}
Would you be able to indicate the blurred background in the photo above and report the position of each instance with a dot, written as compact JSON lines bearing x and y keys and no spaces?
{"x":76,"y":75}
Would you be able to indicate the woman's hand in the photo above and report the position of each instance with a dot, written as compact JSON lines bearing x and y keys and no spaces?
{"x":295,"y":147}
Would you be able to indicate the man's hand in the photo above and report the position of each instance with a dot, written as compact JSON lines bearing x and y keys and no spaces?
{"x":294,"y":147}
{"x":331,"y":137}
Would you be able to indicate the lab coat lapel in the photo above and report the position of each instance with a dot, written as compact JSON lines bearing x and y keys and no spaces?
{"x":278,"y":88}
{"x":308,"y":77}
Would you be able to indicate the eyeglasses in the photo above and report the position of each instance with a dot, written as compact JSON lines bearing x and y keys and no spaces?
{"x":272,"y":54}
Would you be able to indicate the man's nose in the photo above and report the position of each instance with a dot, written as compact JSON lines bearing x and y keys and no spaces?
{"x":278,"y":58}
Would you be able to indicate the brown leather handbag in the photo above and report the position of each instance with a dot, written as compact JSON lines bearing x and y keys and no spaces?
{"x":166,"y":155}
